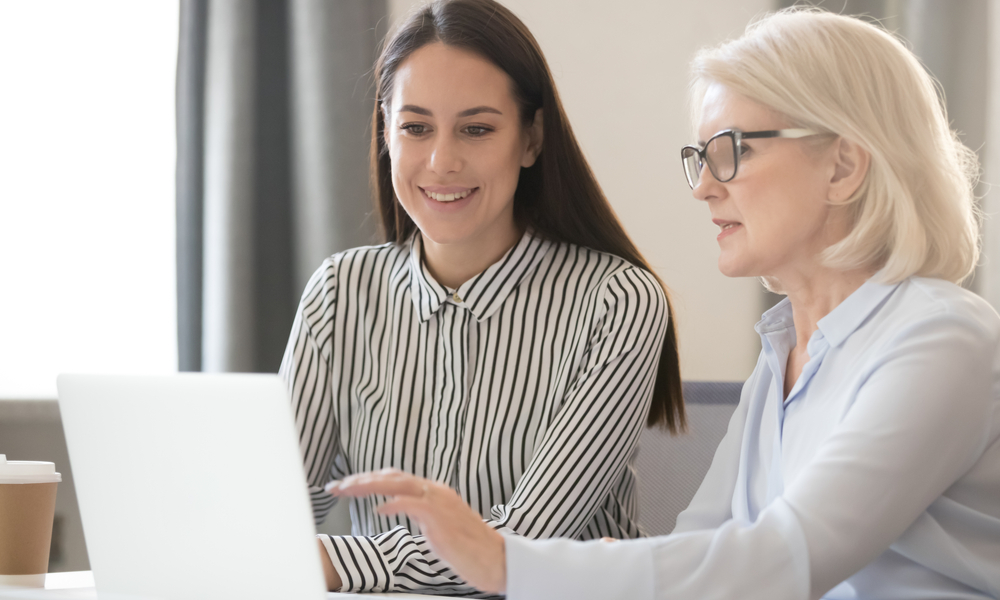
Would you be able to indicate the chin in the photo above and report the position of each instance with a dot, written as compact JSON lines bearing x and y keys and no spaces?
{"x":441,"y":233}
{"x":741,"y":264}
{"x":731,"y":269}
{"x":738,"y":270}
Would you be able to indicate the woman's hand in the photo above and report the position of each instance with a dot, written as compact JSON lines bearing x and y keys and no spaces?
{"x":455,"y":532}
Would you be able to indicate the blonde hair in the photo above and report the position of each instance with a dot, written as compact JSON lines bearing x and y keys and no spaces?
{"x":915,"y":213}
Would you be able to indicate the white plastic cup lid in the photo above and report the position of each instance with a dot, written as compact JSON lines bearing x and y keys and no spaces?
{"x":24,"y":471}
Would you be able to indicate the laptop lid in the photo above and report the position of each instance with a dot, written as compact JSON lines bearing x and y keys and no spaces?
{"x":191,"y":486}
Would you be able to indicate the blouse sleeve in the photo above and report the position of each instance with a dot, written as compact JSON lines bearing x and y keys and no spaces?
{"x":918,"y":423}
{"x":582,"y":455}
{"x":305,"y":369}
{"x":712,"y":504}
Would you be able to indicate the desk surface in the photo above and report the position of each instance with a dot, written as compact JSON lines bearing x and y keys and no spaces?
{"x":79,"y":585}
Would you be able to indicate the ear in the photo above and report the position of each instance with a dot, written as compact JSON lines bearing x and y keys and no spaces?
{"x":535,"y":138}
{"x":850,"y":169}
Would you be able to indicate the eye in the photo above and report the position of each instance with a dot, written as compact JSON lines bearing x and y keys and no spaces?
{"x":744,"y":149}
{"x":477,"y":130}
{"x":416,"y":129}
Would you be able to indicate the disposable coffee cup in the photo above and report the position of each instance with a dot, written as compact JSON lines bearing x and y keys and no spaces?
{"x":27,"y":508}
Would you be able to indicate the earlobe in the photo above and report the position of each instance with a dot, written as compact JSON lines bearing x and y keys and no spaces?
{"x":535,"y":138}
{"x":850,"y":170}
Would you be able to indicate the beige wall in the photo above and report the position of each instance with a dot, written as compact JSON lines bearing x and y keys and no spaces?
{"x":621,"y":69}
{"x":988,"y":276}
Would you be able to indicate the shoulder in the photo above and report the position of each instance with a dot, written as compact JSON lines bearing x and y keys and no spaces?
{"x":341,"y":272}
{"x":936,"y":341}
{"x":924,"y":300}
{"x":610,"y":277}
{"x":347,"y":259}
{"x":335,"y":270}
{"x":928,"y":312}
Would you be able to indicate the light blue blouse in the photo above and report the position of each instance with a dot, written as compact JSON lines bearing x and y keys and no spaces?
{"x":877,"y":477}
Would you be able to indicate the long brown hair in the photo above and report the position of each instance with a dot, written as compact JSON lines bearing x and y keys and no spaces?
{"x":558,"y":197}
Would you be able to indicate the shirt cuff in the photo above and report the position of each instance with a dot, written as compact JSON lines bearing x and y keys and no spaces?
{"x":560,"y":568}
{"x":358,"y":562}
{"x":337,"y":566}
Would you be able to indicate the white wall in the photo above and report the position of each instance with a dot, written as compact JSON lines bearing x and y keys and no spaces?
{"x":621,"y":69}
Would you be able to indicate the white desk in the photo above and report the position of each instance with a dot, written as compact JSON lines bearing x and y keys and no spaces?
{"x":79,"y":585}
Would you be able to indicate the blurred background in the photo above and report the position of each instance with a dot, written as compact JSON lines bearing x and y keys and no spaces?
{"x":172,"y":172}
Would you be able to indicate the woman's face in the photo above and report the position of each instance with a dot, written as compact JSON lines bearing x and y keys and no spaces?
{"x":457,"y":145}
{"x":774,"y":216}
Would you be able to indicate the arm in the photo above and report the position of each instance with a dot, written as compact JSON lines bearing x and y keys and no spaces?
{"x":305,"y":370}
{"x":454,"y":531}
{"x":588,"y":444}
{"x":330,"y":575}
{"x":578,"y":460}
{"x":712,"y":504}
{"x":917,"y":424}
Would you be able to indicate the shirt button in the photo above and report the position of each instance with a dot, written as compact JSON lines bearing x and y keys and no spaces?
{"x":456,"y":298}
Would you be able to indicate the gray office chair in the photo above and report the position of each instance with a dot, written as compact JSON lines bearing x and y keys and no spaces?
{"x":671,"y":467}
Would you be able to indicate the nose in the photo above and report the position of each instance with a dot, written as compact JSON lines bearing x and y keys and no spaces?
{"x":708,"y":187}
{"x":446,"y":156}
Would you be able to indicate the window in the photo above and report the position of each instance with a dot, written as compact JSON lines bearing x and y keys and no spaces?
{"x":87,"y":154}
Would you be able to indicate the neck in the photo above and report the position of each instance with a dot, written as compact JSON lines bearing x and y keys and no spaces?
{"x":453,"y":264}
{"x":816,"y":294}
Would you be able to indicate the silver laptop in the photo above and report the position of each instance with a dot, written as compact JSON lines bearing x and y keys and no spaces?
{"x":191,"y":486}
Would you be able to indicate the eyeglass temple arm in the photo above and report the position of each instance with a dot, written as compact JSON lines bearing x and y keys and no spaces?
{"x":779,"y":133}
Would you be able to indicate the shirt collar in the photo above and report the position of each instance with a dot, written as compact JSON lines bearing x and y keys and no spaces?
{"x":776,"y":318}
{"x":483,"y":294}
{"x":850,"y":314}
{"x":842,"y":321}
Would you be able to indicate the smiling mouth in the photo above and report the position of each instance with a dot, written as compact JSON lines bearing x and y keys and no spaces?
{"x":448,"y":197}
{"x":728,"y":226}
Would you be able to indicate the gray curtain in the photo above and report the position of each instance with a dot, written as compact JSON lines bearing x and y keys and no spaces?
{"x":274,"y":99}
{"x":953,"y":40}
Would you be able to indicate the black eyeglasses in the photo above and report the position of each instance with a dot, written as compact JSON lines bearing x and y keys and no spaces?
{"x":723,"y":150}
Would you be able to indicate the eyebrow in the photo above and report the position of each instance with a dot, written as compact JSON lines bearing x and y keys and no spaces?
{"x":465,"y":113}
{"x":479,"y":110}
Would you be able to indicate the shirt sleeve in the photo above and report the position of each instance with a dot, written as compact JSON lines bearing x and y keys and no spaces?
{"x":306,"y":371}
{"x":580,"y":458}
{"x":712,"y":504}
{"x":725,"y":562}
{"x":919,"y":422}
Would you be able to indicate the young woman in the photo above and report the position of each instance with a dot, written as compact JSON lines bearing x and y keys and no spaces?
{"x":864,"y":458}
{"x":506,"y":340}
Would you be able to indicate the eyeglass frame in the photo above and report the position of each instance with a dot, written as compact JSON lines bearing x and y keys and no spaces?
{"x":737,"y":136}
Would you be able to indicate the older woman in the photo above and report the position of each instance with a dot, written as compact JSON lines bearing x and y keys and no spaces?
{"x":864,"y":458}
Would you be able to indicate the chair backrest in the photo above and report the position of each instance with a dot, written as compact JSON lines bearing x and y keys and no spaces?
{"x":671,"y":468}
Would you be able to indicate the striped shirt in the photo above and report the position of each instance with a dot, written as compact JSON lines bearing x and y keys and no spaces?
{"x":525,"y":390}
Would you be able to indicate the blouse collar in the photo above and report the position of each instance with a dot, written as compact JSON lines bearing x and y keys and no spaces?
{"x":850,"y":314}
{"x":483,"y":294}
{"x":843,"y":320}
